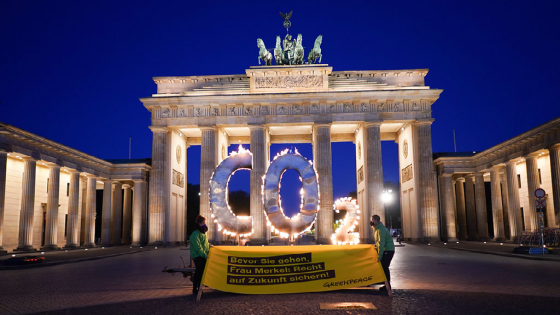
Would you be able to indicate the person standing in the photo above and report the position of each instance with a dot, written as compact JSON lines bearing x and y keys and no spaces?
{"x":385,"y":246}
{"x":199,"y":250}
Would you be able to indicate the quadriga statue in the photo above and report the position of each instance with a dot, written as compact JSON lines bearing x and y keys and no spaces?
{"x":264,"y":54}
{"x":315,"y":53}
{"x":298,"y":55}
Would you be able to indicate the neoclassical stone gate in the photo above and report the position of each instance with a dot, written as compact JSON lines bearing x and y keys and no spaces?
{"x":294,"y":104}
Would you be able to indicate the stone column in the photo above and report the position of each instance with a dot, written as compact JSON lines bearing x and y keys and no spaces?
{"x":117,"y":212}
{"x":480,"y":196}
{"x":25,"y":240}
{"x":137,"y":208}
{"x":322,"y":160}
{"x":207,"y":168}
{"x":106,"y":214}
{"x":51,"y":225}
{"x":258,"y":148}
{"x":158,"y":193}
{"x":532,"y":185}
{"x":505,"y":205}
{"x":497,"y":210}
{"x":461,"y":211}
{"x":89,"y":233}
{"x":555,"y":176}
{"x":73,"y":224}
{"x":127,"y":215}
{"x":427,"y":182}
{"x":470,"y":208}
{"x":3,"y":169}
{"x":373,"y":171}
{"x":515,"y":220}
{"x":448,"y":211}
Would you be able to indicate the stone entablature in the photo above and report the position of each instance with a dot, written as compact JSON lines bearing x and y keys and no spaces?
{"x":18,"y":142}
{"x":304,"y":77}
{"x":534,"y":140}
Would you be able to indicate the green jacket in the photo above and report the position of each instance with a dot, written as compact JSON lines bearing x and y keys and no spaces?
{"x":383,"y":240}
{"x":199,"y":244}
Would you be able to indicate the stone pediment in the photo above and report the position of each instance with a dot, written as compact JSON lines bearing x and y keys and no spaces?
{"x":282,"y":79}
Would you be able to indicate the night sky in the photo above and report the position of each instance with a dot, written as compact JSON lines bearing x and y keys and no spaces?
{"x":73,"y":71}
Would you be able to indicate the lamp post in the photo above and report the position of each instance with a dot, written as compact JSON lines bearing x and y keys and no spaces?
{"x":387,"y":197}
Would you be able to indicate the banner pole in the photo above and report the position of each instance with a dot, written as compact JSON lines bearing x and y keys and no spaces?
{"x":387,"y":285}
{"x":199,"y":292}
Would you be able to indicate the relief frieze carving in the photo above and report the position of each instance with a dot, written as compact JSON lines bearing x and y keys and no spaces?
{"x":381,"y":107}
{"x":264,"y":110}
{"x":303,"y":81}
{"x":332,"y":108}
{"x":364,"y":107}
{"x":178,"y":179}
{"x":406,"y":174}
{"x":198,"y":112}
{"x":360,"y":175}
{"x":232,"y":111}
{"x":215,"y":112}
{"x":165,"y":113}
{"x":181,"y":113}
{"x":415,"y":106}
{"x":281,"y":110}
{"x":248,"y":111}
{"x":398,"y":107}
{"x":297,"y":109}
{"x":314,"y":108}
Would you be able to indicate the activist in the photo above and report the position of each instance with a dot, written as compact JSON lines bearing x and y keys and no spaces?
{"x":385,"y":246}
{"x":199,"y":250}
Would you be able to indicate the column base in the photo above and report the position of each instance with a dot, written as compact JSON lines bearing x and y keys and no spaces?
{"x":28,"y":248}
{"x":50,"y":247}
{"x":500,"y":239}
{"x":71,"y":246}
{"x":3,"y":251}
{"x":452,"y":239}
{"x":324,"y":241}
{"x":89,"y":246}
{"x":483,"y":239}
{"x":431,"y":240}
{"x":157,"y":243}
{"x":257,"y":241}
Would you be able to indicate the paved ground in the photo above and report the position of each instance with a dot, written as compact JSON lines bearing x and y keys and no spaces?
{"x":427,"y":279}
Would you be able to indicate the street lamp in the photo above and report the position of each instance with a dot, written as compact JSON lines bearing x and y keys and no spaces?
{"x":387,"y":197}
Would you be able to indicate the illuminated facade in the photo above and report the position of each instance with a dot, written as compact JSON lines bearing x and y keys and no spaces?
{"x":295,"y":104}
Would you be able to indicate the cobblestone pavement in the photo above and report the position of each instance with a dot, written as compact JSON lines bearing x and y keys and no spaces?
{"x":425,"y":278}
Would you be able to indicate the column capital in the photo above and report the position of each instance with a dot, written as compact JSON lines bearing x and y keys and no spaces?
{"x":3,"y":151}
{"x":372,"y":124}
{"x":28,"y":158}
{"x":554,"y":147}
{"x":467,"y":176}
{"x":138,"y":181}
{"x":447,"y":174}
{"x":116,"y":183}
{"x":322,"y":125}
{"x":498,"y":166}
{"x":460,"y":179}
{"x":158,"y":129}
{"x":258,"y":127}
{"x":90,"y":176}
{"x":211,"y":128}
{"x":125,"y":186}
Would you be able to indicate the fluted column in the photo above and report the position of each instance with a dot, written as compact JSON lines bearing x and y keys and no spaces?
{"x":461,"y":211}
{"x":481,"y":216}
{"x":373,"y":169}
{"x":207,"y":167}
{"x":117,"y":212}
{"x":505,"y":205}
{"x":448,"y":211}
{"x":497,"y":210}
{"x":127,"y":215}
{"x":532,"y":185}
{"x":3,"y":169}
{"x":89,"y":233}
{"x":106,"y":213}
{"x":73,"y":225}
{"x":137,"y":208}
{"x":158,"y":196}
{"x":25,"y":240}
{"x":470,"y":208}
{"x":515,"y":220}
{"x":51,"y":224}
{"x":258,"y":148}
{"x":555,"y":174}
{"x":322,"y":160}
{"x":427,"y":181}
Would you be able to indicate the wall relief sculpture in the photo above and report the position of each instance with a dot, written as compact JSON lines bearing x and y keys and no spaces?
{"x":300,"y":81}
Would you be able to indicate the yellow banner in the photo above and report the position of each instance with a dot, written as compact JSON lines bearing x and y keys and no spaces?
{"x":291,"y":269}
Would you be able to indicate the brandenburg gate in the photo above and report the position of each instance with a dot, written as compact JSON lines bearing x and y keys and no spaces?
{"x":294,"y":103}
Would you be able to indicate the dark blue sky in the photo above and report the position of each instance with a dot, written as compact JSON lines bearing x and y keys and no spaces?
{"x":72,"y":71}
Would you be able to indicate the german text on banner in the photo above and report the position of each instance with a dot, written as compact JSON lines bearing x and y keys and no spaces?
{"x":291,"y":269}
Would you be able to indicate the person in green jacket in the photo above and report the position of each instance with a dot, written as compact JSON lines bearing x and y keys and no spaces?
{"x":384,"y":244}
{"x":199,"y":250}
